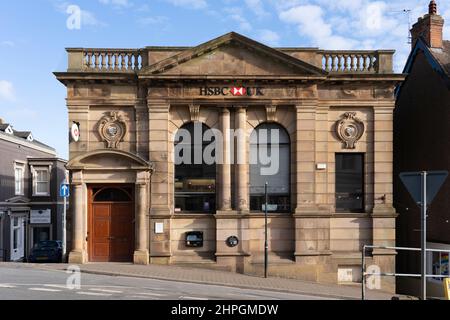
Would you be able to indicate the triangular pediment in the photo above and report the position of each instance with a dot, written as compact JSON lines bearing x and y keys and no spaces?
{"x":232,"y":55}
{"x":18,"y":200}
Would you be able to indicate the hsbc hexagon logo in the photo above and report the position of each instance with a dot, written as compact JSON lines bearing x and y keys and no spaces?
{"x":238,"y":91}
{"x":233,"y":91}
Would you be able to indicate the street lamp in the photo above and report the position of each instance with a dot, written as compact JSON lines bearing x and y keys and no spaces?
{"x":266,"y":243}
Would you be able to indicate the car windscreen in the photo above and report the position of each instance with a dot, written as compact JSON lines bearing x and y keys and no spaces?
{"x":47,"y":244}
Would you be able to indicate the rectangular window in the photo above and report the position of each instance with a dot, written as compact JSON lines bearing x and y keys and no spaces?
{"x":349,"y":182}
{"x":19,"y":179}
{"x":41,"y":181}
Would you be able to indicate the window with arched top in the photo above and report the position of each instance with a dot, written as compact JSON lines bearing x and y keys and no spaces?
{"x":270,"y":154}
{"x":195,"y":169}
{"x":112,"y":194}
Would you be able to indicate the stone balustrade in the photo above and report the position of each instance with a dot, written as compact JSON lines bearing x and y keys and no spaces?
{"x":133,"y":60}
{"x":106,"y":60}
{"x":358,"y":61}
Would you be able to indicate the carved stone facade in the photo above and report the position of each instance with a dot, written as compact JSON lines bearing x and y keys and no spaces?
{"x":233,"y":82}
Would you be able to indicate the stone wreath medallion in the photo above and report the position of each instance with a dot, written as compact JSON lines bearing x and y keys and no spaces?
{"x":112,"y":129}
{"x":350,"y":129}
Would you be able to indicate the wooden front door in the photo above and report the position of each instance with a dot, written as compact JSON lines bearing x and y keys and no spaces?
{"x":111,"y":227}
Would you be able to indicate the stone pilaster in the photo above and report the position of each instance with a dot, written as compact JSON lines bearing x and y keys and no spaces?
{"x":242,"y":165}
{"x":305,"y":155}
{"x":162,"y":182}
{"x":312,"y":223}
{"x":142,"y":130}
{"x":383,"y":217}
{"x":225,"y":166}
{"x":78,"y":254}
{"x":141,"y":254}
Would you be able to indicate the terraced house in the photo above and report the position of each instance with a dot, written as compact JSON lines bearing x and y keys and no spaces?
{"x":332,"y":192}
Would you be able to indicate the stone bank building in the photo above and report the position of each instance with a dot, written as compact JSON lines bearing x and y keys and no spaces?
{"x":332,"y":194}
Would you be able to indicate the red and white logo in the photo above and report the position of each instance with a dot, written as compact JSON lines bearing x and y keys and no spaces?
{"x":238,"y":91}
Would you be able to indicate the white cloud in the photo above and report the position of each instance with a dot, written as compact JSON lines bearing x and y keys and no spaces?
{"x":192,"y":4}
{"x":236,"y":14}
{"x":117,"y":3}
{"x":310,"y":23}
{"x":87,"y":18}
{"x":257,"y":7}
{"x":153,"y":20}
{"x":269,"y":37}
{"x":7,"y":91}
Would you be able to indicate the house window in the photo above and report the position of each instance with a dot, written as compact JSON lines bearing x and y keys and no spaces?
{"x":19,"y":170}
{"x":270,"y":162}
{"x":41,"y":181}
{"x":350,"y":182}
{"x":195,"y":175}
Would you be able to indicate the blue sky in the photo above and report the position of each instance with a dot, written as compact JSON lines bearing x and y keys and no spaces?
{"x":34,"y":33}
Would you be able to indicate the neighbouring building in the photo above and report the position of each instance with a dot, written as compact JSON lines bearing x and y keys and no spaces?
{"x":422,"y":143}
{"x":332,"y":193}
{"x":30,"y":206}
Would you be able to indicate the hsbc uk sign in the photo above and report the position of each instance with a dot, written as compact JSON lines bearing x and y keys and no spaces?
{"x":232,"y":91}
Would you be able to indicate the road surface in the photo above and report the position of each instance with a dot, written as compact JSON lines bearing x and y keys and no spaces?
{"x":36,"y":284}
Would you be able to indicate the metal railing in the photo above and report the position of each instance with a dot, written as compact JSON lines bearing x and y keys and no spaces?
{"x":392,"y":274}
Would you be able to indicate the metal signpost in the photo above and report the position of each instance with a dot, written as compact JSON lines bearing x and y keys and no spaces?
{"x":64,"y":191}
{"x":266,"y":243}
{"x":423,"y":187}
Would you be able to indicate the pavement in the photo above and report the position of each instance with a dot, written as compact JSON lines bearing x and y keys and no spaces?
{"x":213,"y":277}
{"x":40,"y":284}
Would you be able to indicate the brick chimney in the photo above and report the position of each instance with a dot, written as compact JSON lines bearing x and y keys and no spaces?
{"x":429,"y":27}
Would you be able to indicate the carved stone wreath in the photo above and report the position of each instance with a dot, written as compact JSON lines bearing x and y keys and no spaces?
{"x":112,"y":129}
{"x":350,"y":129}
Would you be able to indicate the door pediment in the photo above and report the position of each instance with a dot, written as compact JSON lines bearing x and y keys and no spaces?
{"x":109,"y":159}
{"x":231,"y":55}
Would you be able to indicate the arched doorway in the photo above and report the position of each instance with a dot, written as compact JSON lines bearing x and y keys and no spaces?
{"x":111,"y":223}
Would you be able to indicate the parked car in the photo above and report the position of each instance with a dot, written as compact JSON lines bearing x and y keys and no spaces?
{"x":46,"y":251}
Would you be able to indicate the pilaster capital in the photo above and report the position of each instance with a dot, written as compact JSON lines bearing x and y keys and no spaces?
{"x":77,"y":178}
{"x":142,"y":178}
{"x":158,"y":106}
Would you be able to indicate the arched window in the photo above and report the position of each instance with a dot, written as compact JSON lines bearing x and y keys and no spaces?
{"x":195,"y":171}
{"x":270,"y":162}
{"x":111,"y":194}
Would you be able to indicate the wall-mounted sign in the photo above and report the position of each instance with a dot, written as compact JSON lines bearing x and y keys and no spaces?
{"x":232,"y":241}
{"x":41,"y":216}
{"x":75,"y":132}
{"x":231,"y":91}
{"x":159,"y":227}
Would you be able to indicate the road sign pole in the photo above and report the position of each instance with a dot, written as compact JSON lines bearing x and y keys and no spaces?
{"x":424,"y":236}
{"x":266,"y":243}
{"x":64,"y":234}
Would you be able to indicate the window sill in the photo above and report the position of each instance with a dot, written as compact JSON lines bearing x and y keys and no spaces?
{"x":41,"y":195}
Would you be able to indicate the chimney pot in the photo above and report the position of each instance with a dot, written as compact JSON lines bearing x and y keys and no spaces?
{"x":429,"y":28}
{"x":432,"y":8}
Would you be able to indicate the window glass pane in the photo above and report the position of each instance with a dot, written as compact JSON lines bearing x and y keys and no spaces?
{"x":41,"y":187}
{"x":15,"y":238}
{"x":41,"y":234}
{"x":195,"y":180}
{"x":349,"y":182}
{"x":112,"y":195}
{"x":270,"y":162}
